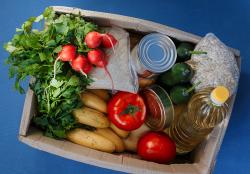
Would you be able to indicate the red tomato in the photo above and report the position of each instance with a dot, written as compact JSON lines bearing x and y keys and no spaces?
{"x":127,"y":111}
{"x":157,"y":147}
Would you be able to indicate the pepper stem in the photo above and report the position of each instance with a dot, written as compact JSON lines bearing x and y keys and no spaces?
{"x":197,"y":52}
{"x":130,"y":109}
{"x":192,"y":87}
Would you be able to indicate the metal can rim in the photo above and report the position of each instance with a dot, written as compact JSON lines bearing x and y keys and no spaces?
{"x":166,"y":119}
{"x":145,"y":60}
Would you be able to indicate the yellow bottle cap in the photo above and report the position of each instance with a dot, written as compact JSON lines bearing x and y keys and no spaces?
{"x":219,"y":95}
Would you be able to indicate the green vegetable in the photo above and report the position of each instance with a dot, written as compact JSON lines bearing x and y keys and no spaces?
{"x":181,"y":94}
{"x":181,"y":72}
{"x":167,"y":79}
{"x":33,"y":52}
{"x":185,"y":50}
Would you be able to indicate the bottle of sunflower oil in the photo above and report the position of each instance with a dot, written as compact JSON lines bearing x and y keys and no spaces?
{"x":205,"y":110}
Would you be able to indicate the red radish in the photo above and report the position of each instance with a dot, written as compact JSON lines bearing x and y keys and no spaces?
{"x":93,"y":39}
{"x":108,"y":41}
{"x":68,"y":53}
{"x":81,"y":64}
{"x":87,"y":68}
{"x":98,"y":58}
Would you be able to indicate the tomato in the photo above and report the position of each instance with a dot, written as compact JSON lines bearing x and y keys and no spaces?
{"x":127,"y":111}
{"x":157,"y":147}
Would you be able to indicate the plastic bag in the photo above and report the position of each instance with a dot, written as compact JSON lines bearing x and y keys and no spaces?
{"x":119,"y":66}
{"x":217,"y":67}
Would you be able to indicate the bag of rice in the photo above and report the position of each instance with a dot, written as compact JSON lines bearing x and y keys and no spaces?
{"x":217,"y":67}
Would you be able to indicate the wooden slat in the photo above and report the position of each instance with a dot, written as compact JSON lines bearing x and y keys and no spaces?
{"x":108,"y":19}
{"x":132,"y":165}
{"x":184,"y":169}
{"x":29,"y":110}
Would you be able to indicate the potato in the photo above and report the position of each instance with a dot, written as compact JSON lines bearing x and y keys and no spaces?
{"x":120,"y":132}
{"x":90,"y":139}
{"x":102,"y":93}
{"x":133,"y":138}
{"x":91,"y":117}
{"x":110,"y":135}
{"x":144,"y":82}
{"x":91,"y":100}
{"x":131,"y":143}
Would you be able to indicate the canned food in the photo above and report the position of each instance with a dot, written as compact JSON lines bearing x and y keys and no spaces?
{"x":154,"y":54}
{"x":160,"y":110}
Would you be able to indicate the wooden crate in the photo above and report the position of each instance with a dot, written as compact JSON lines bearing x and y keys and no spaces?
{"x":204,"y":157}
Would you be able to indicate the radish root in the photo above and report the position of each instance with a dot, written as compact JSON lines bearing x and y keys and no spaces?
{"x":110,"y":77}
{"x":83,"y":73}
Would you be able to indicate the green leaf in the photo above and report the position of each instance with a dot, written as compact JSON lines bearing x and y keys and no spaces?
{"x":39,"y":18}
{"x":12,"y":71}
{"x":57,"y":92}
{"x":73,"y":81}
{"x":59,"y":133}
{"x":89,"y":27}
{"x":55,"y":83}
{"x":41,"y":121}
{"x":62,"y":28}
{"x":57,"y":49}
{"x":42,"y":56}
{"x":9,"y":47}
{"x":49,"y":12}
{"x":27,"y":26}
{"x":51,"y":43}
{"x":19,"y":30}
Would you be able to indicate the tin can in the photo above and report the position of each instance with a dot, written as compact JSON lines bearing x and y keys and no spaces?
{"x":160,"y":110}
{"x":154,"y":54}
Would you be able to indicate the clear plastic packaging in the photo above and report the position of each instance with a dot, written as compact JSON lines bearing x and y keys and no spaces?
{"x":119,"y":65}
{"x":217,"y":67}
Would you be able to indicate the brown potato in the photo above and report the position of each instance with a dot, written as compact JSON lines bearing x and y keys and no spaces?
{"x":93,"y":101}
{"x":91,"y":117}
{"x":120,"y":132}
{"x":131,"y":141}
{"x":144,"y":82}
{"x":110,"y":135}
{"x":102,"y":93}
{"x":90,"y":139}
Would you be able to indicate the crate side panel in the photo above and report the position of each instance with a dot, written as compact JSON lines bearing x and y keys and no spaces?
{"x":29,"y":110}
{"x":140,"y":166}
{"x":72,"y":151}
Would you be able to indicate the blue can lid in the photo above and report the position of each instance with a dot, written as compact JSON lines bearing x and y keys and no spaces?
{"x":157,"y":52}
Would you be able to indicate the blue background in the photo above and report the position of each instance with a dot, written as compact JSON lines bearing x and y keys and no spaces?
{"x":229,"y":20}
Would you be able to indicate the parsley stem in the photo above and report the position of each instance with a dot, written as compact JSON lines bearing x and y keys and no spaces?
{"x":48,"y":103}
{"x":54,"y":77}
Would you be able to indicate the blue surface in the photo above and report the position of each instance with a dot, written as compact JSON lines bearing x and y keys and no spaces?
{"x":229,"y":20}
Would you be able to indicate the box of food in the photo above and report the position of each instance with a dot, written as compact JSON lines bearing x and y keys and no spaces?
{"x":200,"y":161}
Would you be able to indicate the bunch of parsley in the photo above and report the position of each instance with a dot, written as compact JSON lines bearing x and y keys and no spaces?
{"x":33,"y":52}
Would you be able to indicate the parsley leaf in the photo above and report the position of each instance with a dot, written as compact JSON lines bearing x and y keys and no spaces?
{"x":32,"y":52}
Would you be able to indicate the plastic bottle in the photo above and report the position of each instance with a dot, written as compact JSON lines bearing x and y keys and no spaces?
{"x":205,"y":110}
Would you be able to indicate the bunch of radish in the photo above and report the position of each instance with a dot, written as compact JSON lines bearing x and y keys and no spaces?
{"x":95,"y":56}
